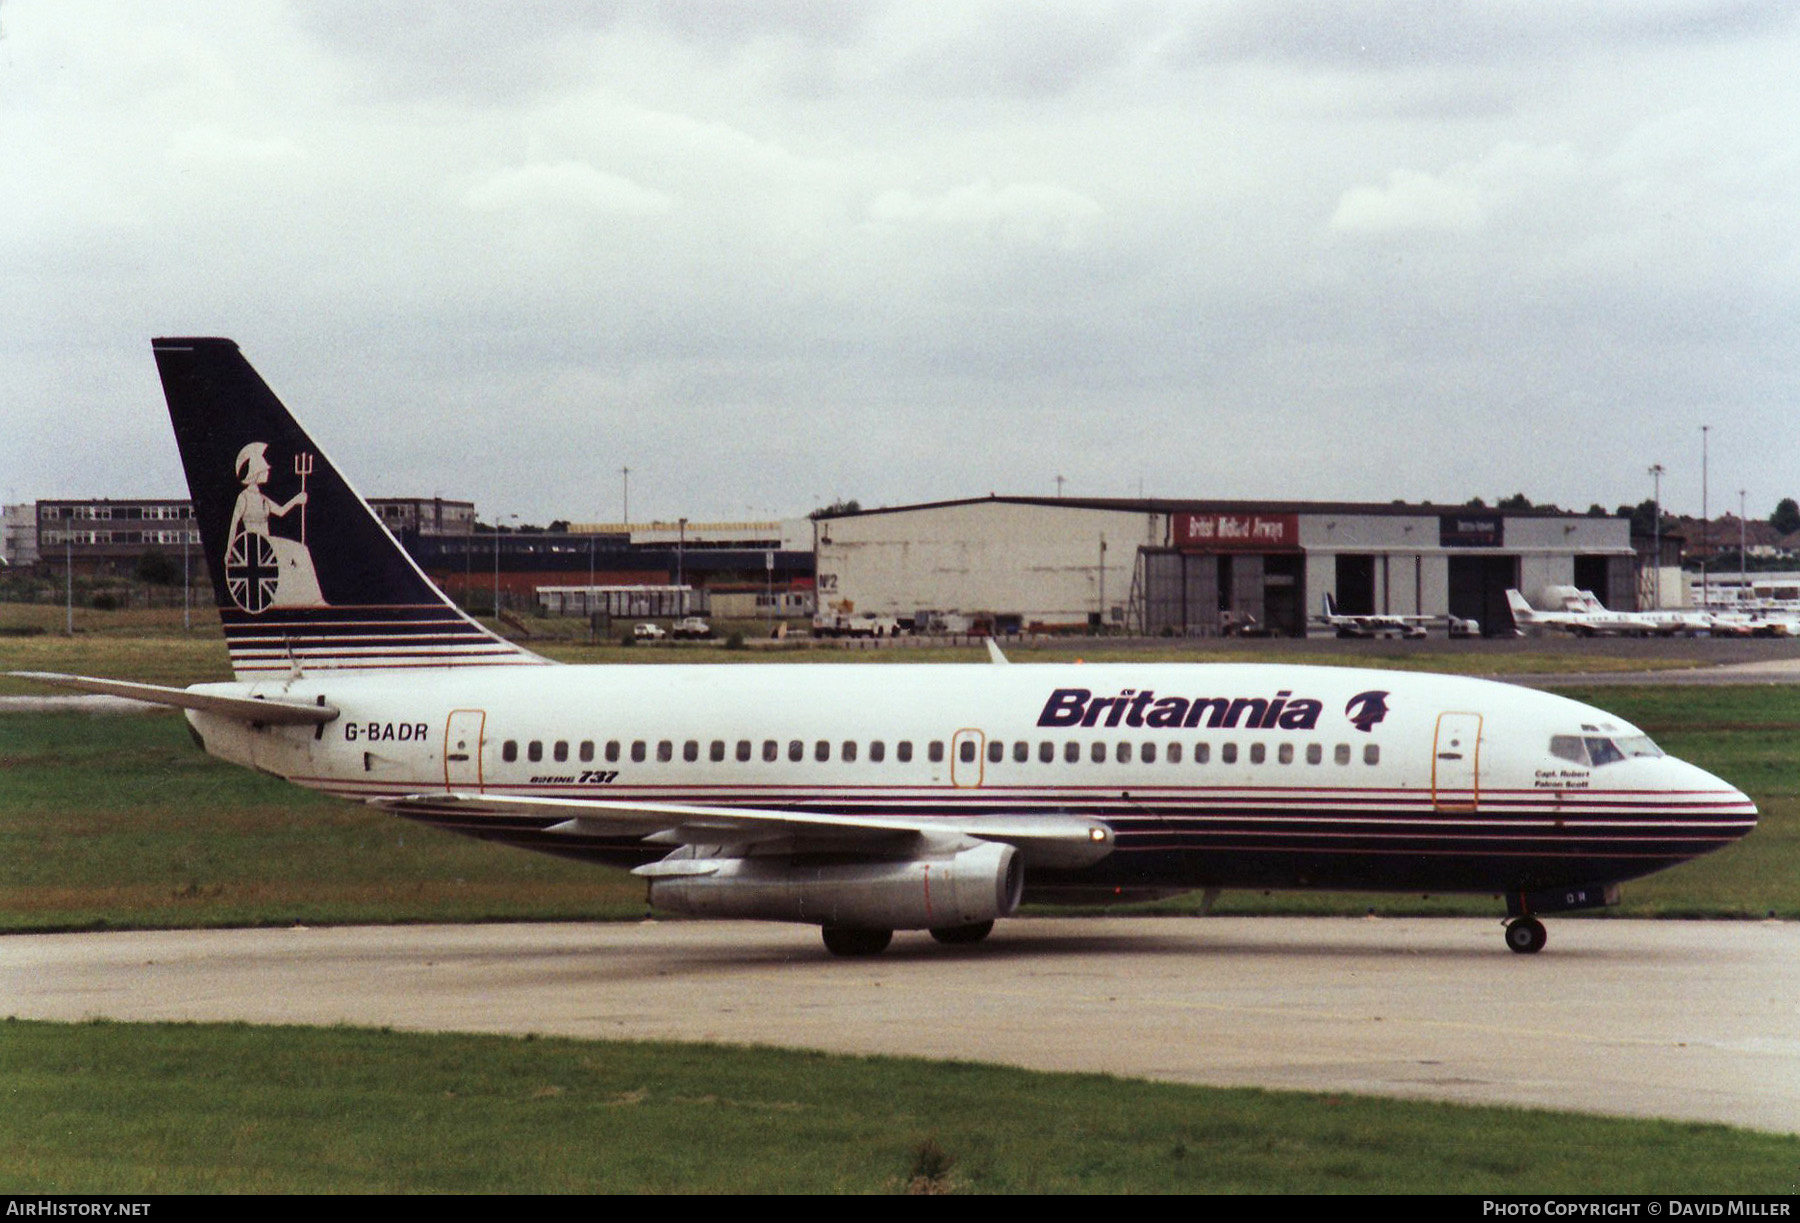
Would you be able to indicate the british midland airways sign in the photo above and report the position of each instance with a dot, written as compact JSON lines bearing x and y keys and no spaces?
{"x":1236,"y":532}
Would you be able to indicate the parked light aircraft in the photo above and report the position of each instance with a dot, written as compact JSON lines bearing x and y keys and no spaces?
{"x":1387,"y":625}
{"x":868,"y":799}
{"x":1580,"y":613}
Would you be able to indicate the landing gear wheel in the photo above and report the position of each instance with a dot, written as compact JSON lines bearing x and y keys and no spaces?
{"x":956,"y":935}
{"x":854,"y":940}
{"x":1526,"y":935}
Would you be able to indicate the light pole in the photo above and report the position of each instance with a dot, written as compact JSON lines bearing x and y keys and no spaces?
{"x":497,"y":519}
{"x":1656,"y":474}
{"x":1743,"y":583}
{"x":1705,"y":521}
{"x":187,"y":581}
{"x":625,"y":475}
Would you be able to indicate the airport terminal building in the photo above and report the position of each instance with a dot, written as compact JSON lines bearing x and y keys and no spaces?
{"x":1204,"y":568}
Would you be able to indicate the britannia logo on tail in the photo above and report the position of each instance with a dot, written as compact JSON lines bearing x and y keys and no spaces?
{"x":263,"y":569}
{"x":1365,"y":709}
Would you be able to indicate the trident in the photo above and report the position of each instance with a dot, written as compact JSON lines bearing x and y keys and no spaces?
{"x":303,"y":465}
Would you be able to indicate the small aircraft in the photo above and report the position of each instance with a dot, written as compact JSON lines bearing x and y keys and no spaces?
{"x":1580,"y":613}
{"x":863,"y":798}
{"x":1404,"y":627}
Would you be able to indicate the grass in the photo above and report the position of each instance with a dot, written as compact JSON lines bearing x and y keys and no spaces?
{"x":120,"y":821}
{"x":130,"y":1109}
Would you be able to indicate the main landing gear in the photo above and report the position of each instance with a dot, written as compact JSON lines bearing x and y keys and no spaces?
{"x":1526,"y":935}
{"x":856,"y":940}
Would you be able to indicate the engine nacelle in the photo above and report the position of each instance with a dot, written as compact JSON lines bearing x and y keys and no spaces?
{"x":962,"y":888}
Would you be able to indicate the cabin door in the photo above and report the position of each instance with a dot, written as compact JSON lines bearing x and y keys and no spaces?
{"x":966,"y":750}
{"x":462,"y":749}
{"x":1456,"y":762}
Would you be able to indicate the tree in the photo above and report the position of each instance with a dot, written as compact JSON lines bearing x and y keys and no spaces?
{"x":1786,"y":517}
{"x":1518,"y":501}
{"x":158,"y":569}
{"x":837,"y":507}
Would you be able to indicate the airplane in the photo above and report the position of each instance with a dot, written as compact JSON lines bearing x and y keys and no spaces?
{"x":1582,"y":614}
{"x":1385,"y":625}
{"x":866,"y":799}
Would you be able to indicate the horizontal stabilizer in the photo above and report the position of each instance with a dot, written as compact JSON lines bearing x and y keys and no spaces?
{"x":1042,"y":840}
{"x":244,"y":708}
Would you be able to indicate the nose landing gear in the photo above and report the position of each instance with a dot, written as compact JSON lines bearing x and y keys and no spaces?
{"x":1526,"y":935}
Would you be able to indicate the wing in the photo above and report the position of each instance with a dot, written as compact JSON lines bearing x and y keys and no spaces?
{"x":1048,"y":839}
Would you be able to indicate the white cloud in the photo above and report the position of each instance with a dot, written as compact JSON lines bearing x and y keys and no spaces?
{"x":1466,"y":196}
{"x":1028,"y":213}
{"x":564,"y":185}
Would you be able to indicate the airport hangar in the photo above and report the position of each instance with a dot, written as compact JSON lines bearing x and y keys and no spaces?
{"x":1204,"y":568}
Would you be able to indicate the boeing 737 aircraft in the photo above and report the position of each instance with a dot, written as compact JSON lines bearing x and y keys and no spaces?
{"x":868,"y":799}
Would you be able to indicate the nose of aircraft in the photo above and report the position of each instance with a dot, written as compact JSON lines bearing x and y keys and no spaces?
{"x":1716,"y":801}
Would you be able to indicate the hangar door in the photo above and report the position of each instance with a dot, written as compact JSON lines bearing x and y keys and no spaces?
{"x":1478,"y":586}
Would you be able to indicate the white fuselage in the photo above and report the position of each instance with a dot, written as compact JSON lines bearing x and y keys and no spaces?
{"x":1226,"y":775}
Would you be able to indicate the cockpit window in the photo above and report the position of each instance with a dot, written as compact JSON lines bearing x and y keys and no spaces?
{"x":1599,"y":750}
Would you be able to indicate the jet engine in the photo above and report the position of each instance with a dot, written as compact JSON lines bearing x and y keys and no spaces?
{"x":961,"y":887}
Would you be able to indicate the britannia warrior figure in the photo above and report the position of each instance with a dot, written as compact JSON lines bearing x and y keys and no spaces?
{"x":263,"y":570}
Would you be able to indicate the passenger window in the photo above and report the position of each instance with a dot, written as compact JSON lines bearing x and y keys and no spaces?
{"x":743,"y":750}
{"x":1174,"y":753}
{"x":638,"y":751}
{"x":587,"y":751}
{"x":796,"y":751}
{"x":1202,"y":753}
{"x":848,"y":754}
{"x":903,"y":751}
{"x":1257,"y":751}
{"x":1285,"y":753}
{"x":1046,"y":752}
{"x":877,"y":751}
{"x":1314,"y":753}
{"x":1071,"y":751}
{"x":1147,"y":753}
{"x":561,"y":750}
{"x":1341,"y":753}
{"x":665,"y":751}
{"x":1372,"y":753}
{"x":1227,"y":753}
{"x":996,"y":751}
{"x":690,"y":751}
{"x":534,"y":750}
{"x":612,"y":751}
{"x":1122,"y":753}
{"x":771,"y":750}
{"x":967,"y":751}
{"x":1097,"y":753}
{"x":509,"y":751}
{"x":1021,"y":752}
{"x":822,"y":750}
{"x":717,"y":751}
{"x":935,"y":751}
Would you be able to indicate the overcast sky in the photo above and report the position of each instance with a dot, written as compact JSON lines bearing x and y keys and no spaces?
{"x":773,"y":253}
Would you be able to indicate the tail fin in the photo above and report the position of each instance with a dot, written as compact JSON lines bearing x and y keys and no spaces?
{"x":306,"y":577}
{"x":1521,"y":610}
{"x":1330,"y":606}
